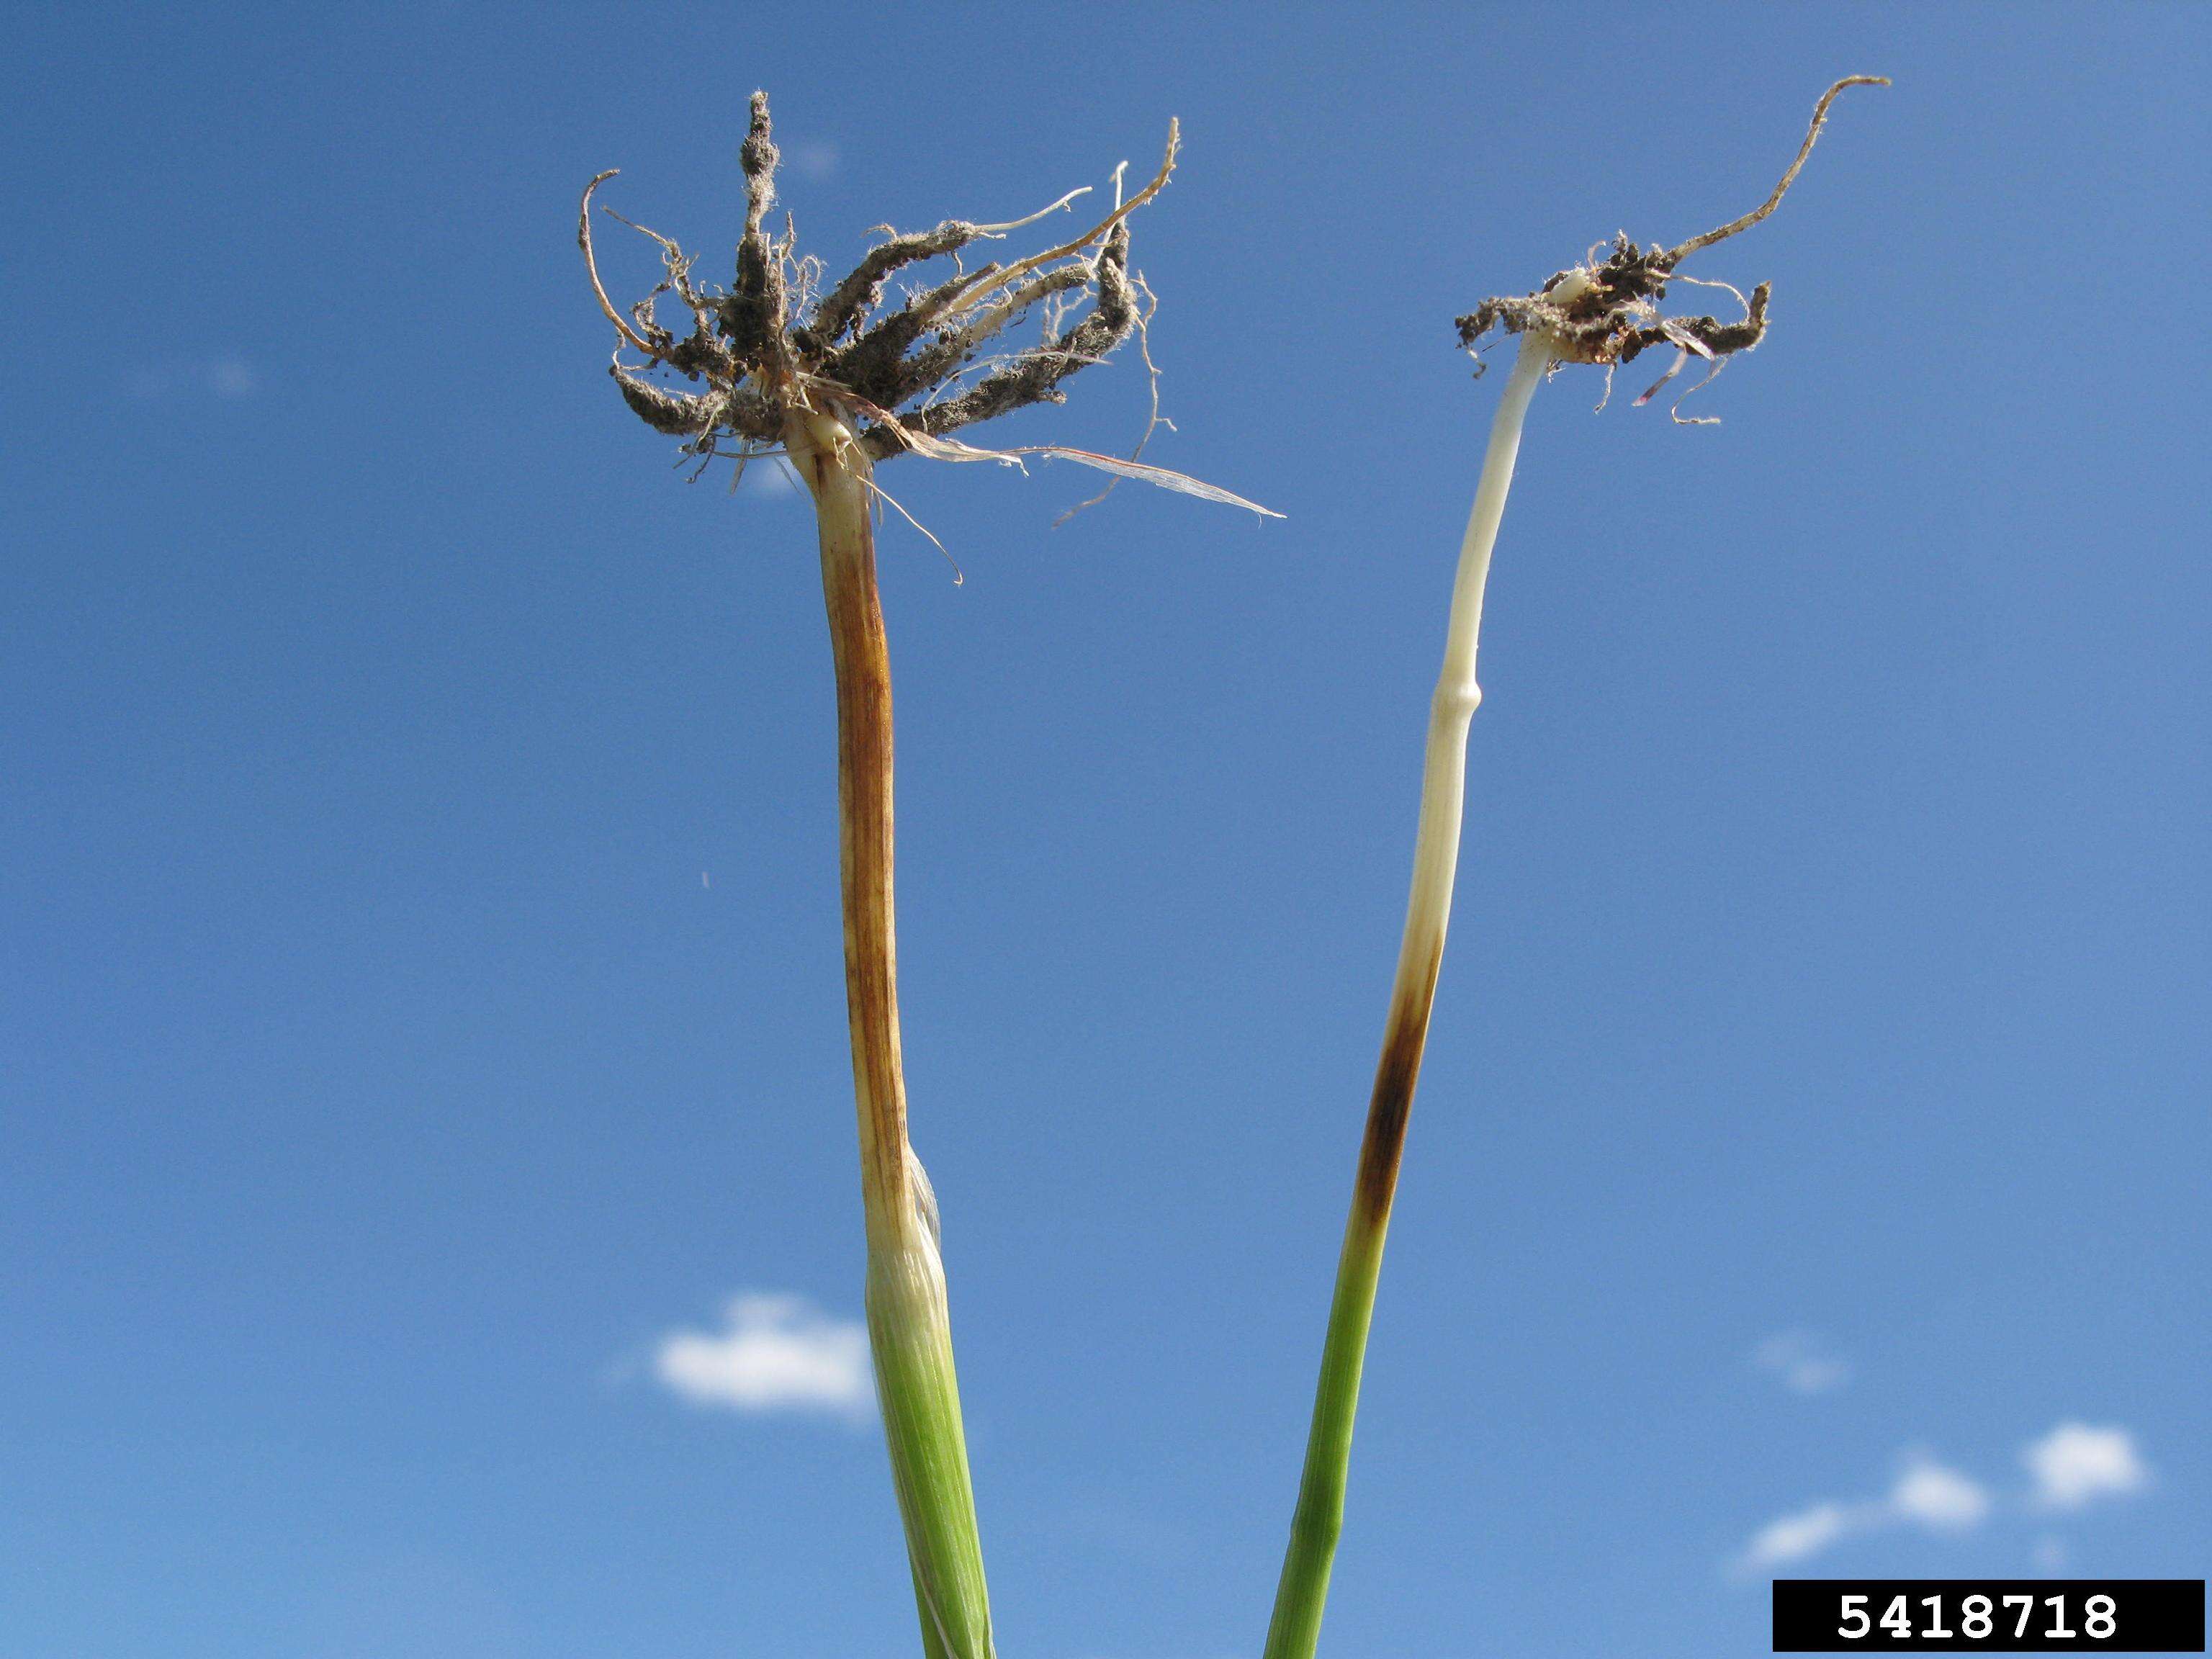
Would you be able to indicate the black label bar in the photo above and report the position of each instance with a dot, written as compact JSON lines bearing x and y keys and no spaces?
{"x":1989,"y":1615}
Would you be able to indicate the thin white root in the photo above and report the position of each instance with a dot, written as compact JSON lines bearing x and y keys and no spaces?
{"x":1041,"y":213}
{"x":1122,"y":210}
{"x":959,"y":576}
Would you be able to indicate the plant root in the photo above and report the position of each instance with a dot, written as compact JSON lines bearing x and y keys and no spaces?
{"x":903,"y":375}
{"x":1609,"y":314}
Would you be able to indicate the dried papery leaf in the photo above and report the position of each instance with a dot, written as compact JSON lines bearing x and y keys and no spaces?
{"x":949,"y":449}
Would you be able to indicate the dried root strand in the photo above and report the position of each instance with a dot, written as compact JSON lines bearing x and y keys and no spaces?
{"x":1682,"y":251}
{"x":592,"y":266}
{"x":1034,"y":377}
{"x":862,"y":291}
{"x":677,"y":414}
{"x":752,"y":316}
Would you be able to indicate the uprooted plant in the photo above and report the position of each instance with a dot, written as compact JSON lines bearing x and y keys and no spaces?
{"x":835,"y":379}
{"x":1603,"y":314}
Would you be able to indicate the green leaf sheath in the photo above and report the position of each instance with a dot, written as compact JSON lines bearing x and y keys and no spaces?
{"x":912,"y":1340}
{"x":1303,"y":1592}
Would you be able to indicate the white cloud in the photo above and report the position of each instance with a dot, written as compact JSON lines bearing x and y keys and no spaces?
{"x":1926,"y":1494}
{"x":775,"y":1353}
{"x":2076,"y":1464}
{"x":1804,"y":1362}
{"x":2073,"y":1465}
{"x":1794,"y":1537}
{"x":1933,"y":1496}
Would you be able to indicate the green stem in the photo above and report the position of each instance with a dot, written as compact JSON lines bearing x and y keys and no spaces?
{"x":1303,"y":1592}
{"x":909,"y":1329}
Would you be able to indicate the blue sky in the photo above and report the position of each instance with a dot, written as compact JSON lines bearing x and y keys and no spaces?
{"x":420,"y":1016}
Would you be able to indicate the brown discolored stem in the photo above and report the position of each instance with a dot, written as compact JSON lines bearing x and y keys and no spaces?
{"x":910,"y":1323}
{"x":837,"y":471}
{"x":1405,"y":1036}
